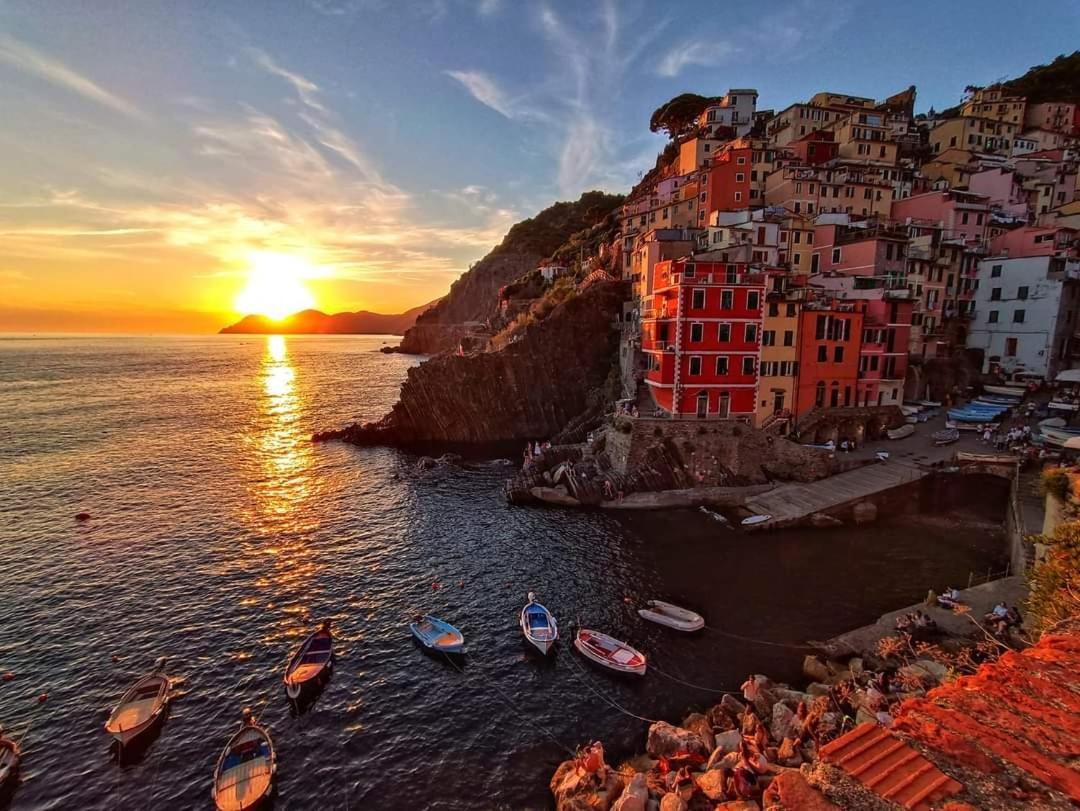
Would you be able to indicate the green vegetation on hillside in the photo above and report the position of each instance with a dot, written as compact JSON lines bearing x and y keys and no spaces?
{"x":548,"y":230}
{"x":678,"y":116}
{"x":1058,"y":81}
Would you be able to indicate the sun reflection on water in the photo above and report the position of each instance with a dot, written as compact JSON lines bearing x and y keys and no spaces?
{"x":285,"y":482}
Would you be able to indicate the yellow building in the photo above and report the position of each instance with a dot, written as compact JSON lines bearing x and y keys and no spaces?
{"x":865,"y":136}
{"x":779,"y":358}
{"x":994,"y":103}
{"x":842,"y":100}
{"x":697,"y":152}
{"x":954,"y":166}
{"x":975,"y":134}
{"x":797,"y":242}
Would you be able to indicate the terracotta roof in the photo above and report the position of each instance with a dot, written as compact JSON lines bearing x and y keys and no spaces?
{"x":890,"y":768}
{"x":1021,"y":712}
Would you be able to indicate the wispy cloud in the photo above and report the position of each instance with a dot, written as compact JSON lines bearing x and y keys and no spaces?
{"x":26,"y":59}
{"x":784,"y":33}
{"x":306,"y":89}
{"x":484,"y":89}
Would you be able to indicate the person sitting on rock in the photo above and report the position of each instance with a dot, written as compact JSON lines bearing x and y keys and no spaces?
{"x":1014,"y":618}
{"x":750,"y":766}
{"x":950,"y":598}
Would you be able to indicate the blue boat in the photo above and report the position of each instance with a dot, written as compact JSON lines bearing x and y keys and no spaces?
{"x":437,"y":635}
{"x":967,"y":416}
{"x":539,"y":625}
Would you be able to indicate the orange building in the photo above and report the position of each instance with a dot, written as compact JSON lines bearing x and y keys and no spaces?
{"x":727,"y":180}
{"x":829,"y":337}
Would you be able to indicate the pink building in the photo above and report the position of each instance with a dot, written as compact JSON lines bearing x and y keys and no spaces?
{"x":869,"y":249}
{"x":960,"y":214}
{"x":1002,"y":188}
{"x":1032,"y":240}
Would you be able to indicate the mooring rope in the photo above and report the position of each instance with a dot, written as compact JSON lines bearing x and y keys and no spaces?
{"x":790,"y":645}
{"x":607,"y":700}
{"x":510,"y":702}
{"x":691,"y":684}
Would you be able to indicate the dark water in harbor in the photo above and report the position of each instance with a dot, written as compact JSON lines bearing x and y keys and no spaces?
{"x":220,"y":534}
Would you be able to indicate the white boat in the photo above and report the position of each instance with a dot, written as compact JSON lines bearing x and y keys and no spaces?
{"x":539,"y":625}
{"x":10,"y":756}
{"x":930,"y":403}
{"x":1017,"y":390}
{"x":681,"y":619}
{"x":609,"y":652}
{"x":437,"y":635}
{"x":910,"y":410}
{"x":312,"y":660}
{"x":244,"y":774}
{"x":901,"y":432}
{"x":754,"y":520}
{"x":946,"y":437}
{"x":140,"y":707}
{"x":1061,"y":405}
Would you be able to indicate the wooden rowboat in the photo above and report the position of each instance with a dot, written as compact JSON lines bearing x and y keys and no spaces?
{"x":438,"y":635}
{"x":539,"y":625}
{"x":10,"y":757}
{"x":312,"y":660}
{"x":140,"y":707}
{"x":244,"y":774}
{"x":609,"y":652}
{"x":681,"y":619}
{"x":754,"y":520}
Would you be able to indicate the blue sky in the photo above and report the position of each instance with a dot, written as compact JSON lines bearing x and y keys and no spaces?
{"x":148,"y":148}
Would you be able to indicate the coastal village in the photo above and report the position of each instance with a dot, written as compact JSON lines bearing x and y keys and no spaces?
{"x":819,"y":316}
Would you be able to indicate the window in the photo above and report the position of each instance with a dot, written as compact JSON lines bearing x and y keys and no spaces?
{"x":698,"y":302}
{"x":838,"y":354}
{"x":727,"y":299}
{"x":750,"y":333}
{"x":822,"y":354}
{"x":724,"y":333}
{"x":1010,"y":347}
{"x":738,"y":196}
{"x":995,"y":294}
{"x":748,"y":365}
{"x":1018,"y":316}
{"x":964,"y":219}
{"x":695,"y":365}
{"x":789,"y":337}
{"x":721,"y":365}
{"x":697,"y":332}
{"x":819,"y":393}
{"x":768,"y":337}
{"x":774,"y":310}
{"x":798,"y":237}
{"x":753,"y":300}
{"x":809,"y":237}
{"x":740,"y":177}
{"x":791,"y":310}
{"x":1022,"y":293}
{"x":835,"y":255}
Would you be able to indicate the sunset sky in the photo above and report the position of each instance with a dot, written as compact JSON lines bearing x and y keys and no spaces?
{"x":154,"y":156}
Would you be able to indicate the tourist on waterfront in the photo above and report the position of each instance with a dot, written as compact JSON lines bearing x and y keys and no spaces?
{"x":950,"y":599}
{"x":987,"y":434}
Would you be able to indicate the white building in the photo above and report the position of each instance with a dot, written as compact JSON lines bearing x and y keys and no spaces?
{"x":1026,"y":312}
{"x":734,"y":111}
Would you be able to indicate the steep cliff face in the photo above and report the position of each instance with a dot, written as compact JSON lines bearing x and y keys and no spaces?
{"x":474,"y":296}
{"x":554,"y":370}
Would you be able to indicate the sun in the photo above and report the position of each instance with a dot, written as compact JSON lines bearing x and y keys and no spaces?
{"x":275,"y":285}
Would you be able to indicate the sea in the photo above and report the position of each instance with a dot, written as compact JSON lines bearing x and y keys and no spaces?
{"x":219,"y":536}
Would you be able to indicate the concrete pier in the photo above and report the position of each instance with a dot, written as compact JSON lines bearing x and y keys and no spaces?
{"x":792,"y":504}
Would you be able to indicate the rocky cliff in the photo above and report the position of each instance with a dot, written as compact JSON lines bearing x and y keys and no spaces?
{"x":554,"y":370}
{"x":474,"y":296}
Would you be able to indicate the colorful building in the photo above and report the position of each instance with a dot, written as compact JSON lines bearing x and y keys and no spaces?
{"x":726,"y":182}
{"x":829,"y":336}
{"x":778,"y":366}
{"x":961,"y":214}
{"x":701,"y":334}
{"x":995,"y":103}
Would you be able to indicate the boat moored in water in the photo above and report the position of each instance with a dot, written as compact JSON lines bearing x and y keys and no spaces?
{"x":437,"y":635}
{"x":610,"y":652}
{"x":140,"y":707}
{"x":673,"y":616}
{"x":244,"y":774}
{"x":755,"y":520}
{"x":312,"y":660}
{"x":539,"y":625}
{"x":10,"y":757}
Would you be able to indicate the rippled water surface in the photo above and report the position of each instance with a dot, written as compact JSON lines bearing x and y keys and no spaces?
{"x":220,"y":535}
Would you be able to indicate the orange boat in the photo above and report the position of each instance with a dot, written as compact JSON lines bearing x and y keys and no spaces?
{"x":313,"y":658}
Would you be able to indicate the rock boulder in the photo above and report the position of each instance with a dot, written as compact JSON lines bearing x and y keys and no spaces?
{"x":574,"y":789}
{"x":696,"y":722}
{"x":669,"y":741}
{"x":634,"y":797}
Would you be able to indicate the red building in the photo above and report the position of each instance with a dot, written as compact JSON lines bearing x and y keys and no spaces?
{"x":727,"y":179}
{"x":830,"y":335}
{"x":883,"y":356}
{"x":701,"y":332}
{"x":814,"y":148}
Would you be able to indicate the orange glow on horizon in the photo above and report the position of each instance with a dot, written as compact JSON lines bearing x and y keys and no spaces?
{"x":275,"y":286}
